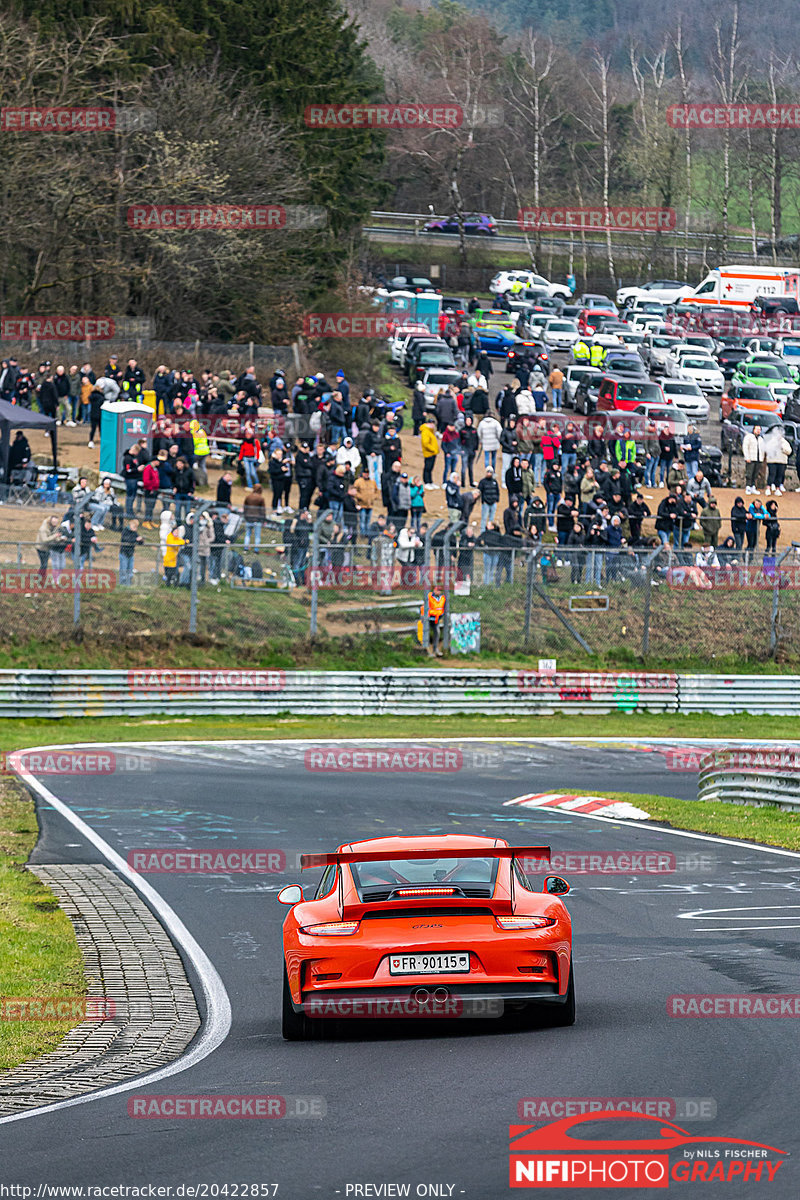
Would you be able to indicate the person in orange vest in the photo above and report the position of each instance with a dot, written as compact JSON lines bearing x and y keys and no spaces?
{"x":435,"y":603}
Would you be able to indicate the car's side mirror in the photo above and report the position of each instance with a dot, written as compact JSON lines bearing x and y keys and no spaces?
{"x":292,"y":894}
{"x":555,"y":885}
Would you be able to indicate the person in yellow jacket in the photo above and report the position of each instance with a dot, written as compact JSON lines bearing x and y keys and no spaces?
{"x":175,"y":539}
{"x":580,"y":352}
{"x":201,"y":451}
{"x":430,"y":448}
{"x":433,"y":612}
{"x":596,"y":355}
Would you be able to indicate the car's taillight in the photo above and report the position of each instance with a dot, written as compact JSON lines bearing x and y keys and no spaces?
{"x":331,"y":929}
{"x":422,"y":891}
{"x":524,"y":922}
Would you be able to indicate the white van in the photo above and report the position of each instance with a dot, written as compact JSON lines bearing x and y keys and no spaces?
{"x":738,"y":286}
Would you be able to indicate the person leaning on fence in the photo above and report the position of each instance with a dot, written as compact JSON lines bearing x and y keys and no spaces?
{"x":175,"y":541}
{"x":434,"y":613}
{"x":49,"y":535}
{"x":129,"y":540}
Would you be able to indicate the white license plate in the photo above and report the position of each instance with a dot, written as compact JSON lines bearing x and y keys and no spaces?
{"x":428,"y":964}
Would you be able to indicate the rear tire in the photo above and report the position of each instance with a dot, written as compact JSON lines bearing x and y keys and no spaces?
{"x":560,"y":1015}
{"x":295,"y":1026}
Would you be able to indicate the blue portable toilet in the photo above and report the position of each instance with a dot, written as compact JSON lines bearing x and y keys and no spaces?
{"x":121,"y":424}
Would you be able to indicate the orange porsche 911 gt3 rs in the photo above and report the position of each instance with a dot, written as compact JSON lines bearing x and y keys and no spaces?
{"x":426,"y":926}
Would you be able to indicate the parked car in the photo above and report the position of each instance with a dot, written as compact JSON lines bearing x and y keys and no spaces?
{"x":622,"y":392}
{"x":532,"y":350}
{"x":668,"y":291}
{"x":774,"y":306}
{"x":702,"y":370}
{"x":455,"y":304}
{"x":475,"y":224}
{"x":757,"y":399}
{"x":657,"y":415}
{"x":729,"y":358}
{"x":586,"y":394}
{"x":655,"y":350}
{"x":497,"y":318}
{"x":741,"y":421}
{"x":560,"y":334}
{"x":496,"y":342}
{"x":400,"y":338}
{"x":619,"y":360}
{"x":598,"y":300}
{"x":411,"y":283}
{"x":765,"y":374}
{"x":503,"y":280}
{"x":574,"y":375}
{"x":409,"y":349}
{"x":631,"y":337}
{"x":686,"y":395}
{"x":436,"y":378}
{"x":429,"y":356}
{"x":588,"y":319}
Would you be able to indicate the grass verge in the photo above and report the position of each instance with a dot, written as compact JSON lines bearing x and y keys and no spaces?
{"x":39,"y":955}
{"x":767,"y":826}
{"x":17,"y":734}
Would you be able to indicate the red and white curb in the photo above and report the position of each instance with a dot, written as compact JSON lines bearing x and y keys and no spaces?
{"x":569,"y":802}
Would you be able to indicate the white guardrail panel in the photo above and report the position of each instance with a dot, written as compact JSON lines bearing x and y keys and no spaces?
{"x":757,"y":776}
{"x":414,"y":691}
{"x":776,"y":695}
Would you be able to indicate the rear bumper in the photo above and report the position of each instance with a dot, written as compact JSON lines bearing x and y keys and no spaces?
{"x":434,"y":999}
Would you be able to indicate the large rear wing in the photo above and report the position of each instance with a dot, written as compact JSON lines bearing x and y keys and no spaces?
{"x":358,"y":856}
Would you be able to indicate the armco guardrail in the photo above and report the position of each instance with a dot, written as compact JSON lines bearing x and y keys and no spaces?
{"x":351,"y":693}
{"x":413,"y":691}
{"x":758,"y":776}
{"x":774,"y":695}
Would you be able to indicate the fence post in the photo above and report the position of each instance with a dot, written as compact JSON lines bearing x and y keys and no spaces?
{"x":454,"y":528}
{"x":428,"y":580}
{"x":76,"y":559}
{"x":526,"y":632}
{"x":312,"y":629}
{"x":773,"y":634}
{"x":196,"y":515}
{"x":651,"y":558}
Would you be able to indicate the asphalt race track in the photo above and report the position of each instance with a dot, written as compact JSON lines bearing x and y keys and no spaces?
{"x":431,"y":1104}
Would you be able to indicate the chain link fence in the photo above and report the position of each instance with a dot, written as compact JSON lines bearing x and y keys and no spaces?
{"x":284,"y":581}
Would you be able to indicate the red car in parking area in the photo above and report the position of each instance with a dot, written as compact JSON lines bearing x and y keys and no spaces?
{"x":586,"y":319}
{"x":400,"y":925}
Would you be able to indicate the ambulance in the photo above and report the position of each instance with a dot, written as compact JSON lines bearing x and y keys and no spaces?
{"x":738,"y":286}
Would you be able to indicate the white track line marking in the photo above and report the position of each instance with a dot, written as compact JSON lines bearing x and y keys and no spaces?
{"x":217,"y":1022}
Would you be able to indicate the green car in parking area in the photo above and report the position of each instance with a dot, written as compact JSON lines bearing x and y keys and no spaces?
{"x":768,"y":375}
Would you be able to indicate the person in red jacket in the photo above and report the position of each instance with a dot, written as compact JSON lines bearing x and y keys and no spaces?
{"x":150,"y":486}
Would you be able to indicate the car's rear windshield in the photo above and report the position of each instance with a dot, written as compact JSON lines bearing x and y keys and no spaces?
{"x":700,"y":364}
{"x":561,"y":327}
{"x":681,"y":389}
{"x":469,"y":876}
{"x":638,"y":391}
{"x":442,"y":376}
{"x":664,"y":342}
{"x":764,"y":372}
